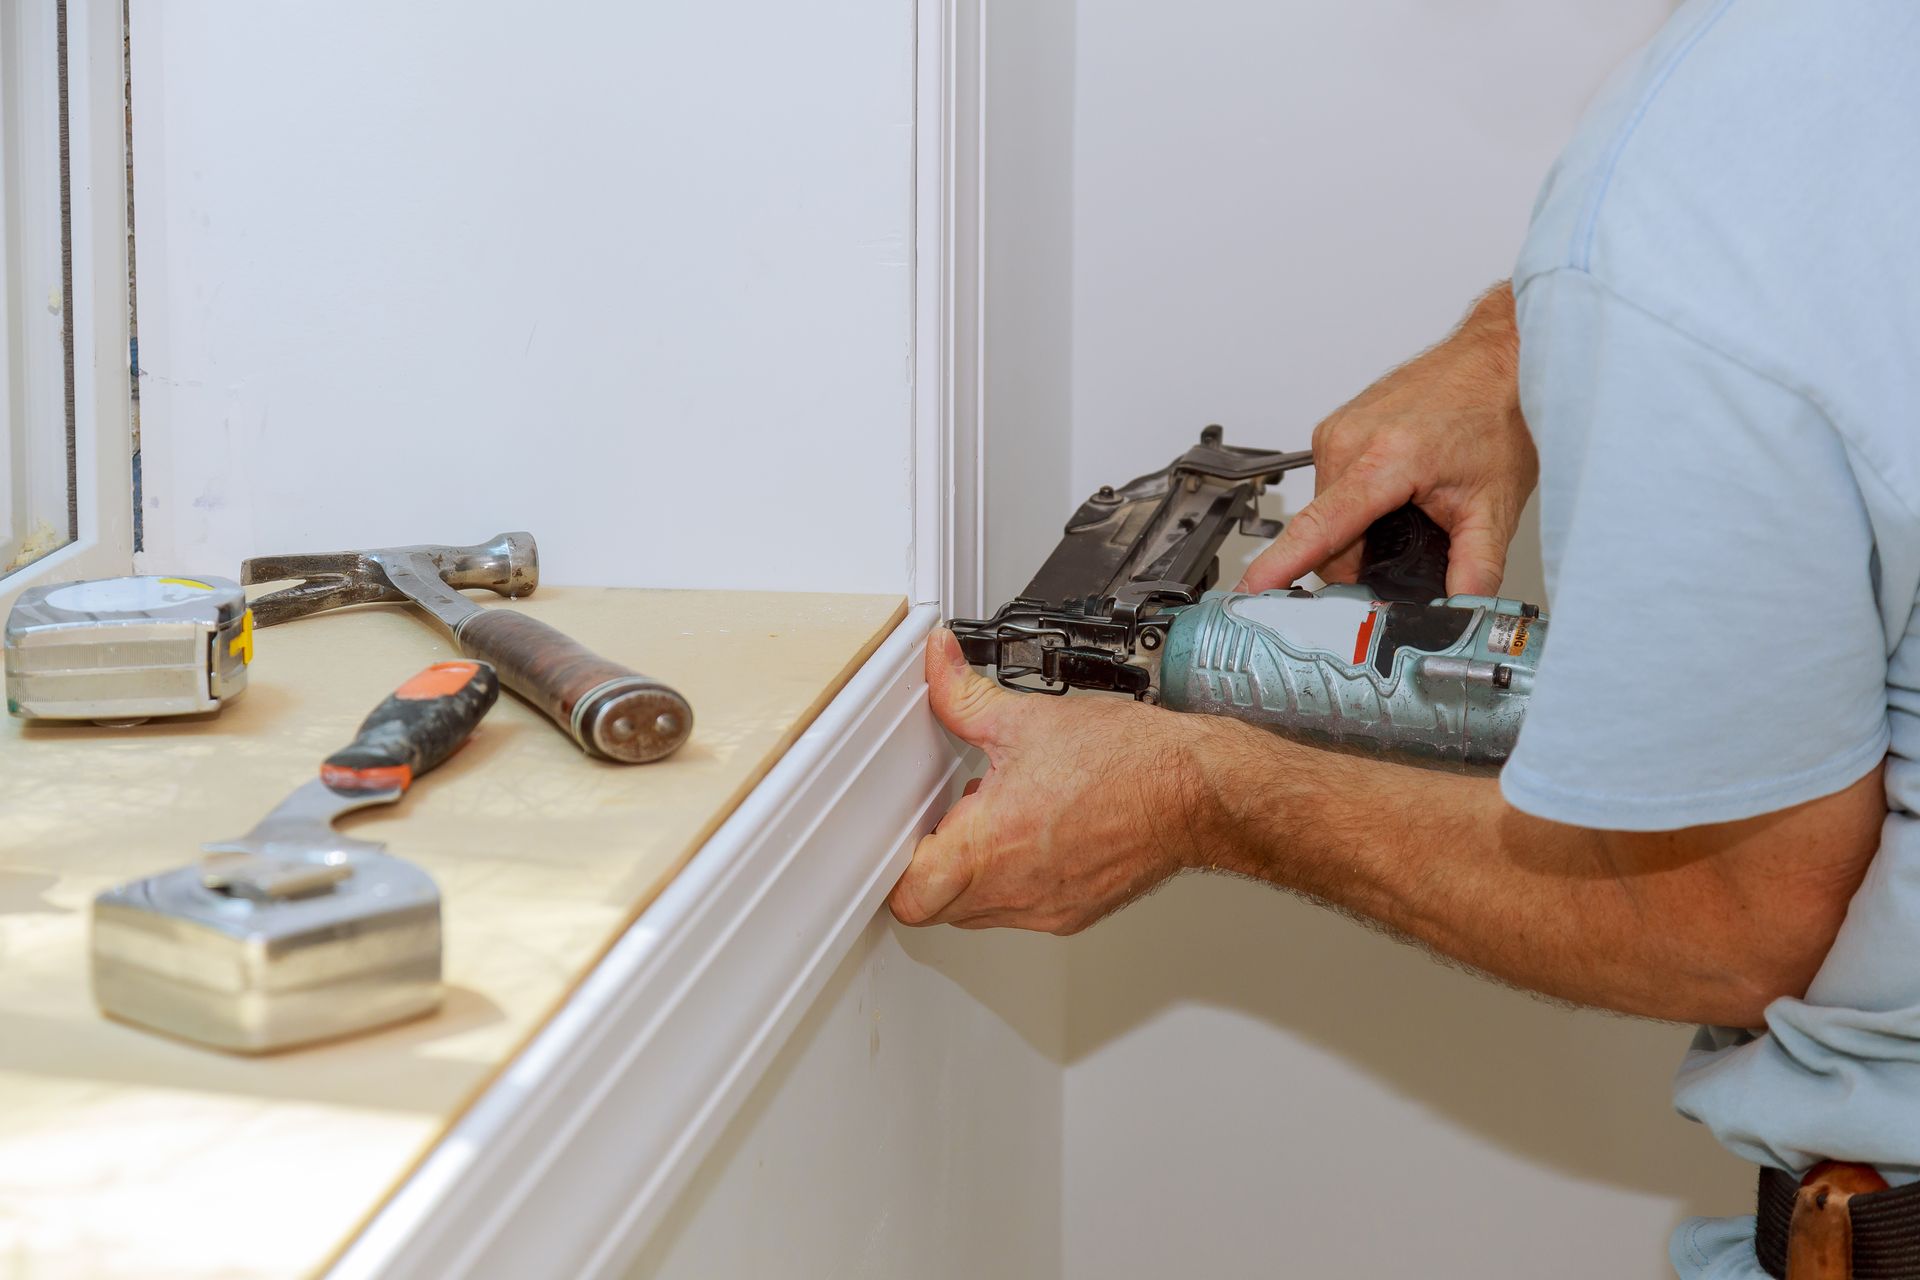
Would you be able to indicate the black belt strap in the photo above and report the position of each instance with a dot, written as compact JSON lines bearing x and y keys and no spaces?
{"x":1886,"y":1229}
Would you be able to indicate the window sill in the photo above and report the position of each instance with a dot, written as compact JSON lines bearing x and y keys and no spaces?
{"x":542,"y":1121}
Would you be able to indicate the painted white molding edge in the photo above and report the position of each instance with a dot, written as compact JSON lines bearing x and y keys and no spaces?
{"x":573,"y":1155}
{"x":949,"y":283}
{"x":102,"y":376}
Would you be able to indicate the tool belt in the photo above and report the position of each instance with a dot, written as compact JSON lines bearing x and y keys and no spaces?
{"x":1838,"y":1223}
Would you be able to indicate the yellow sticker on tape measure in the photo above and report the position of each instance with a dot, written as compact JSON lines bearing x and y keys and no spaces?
{"x":242,"y":644}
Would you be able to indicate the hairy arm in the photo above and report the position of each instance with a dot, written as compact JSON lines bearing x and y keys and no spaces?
{"x":1090,"y":802}
{"x":1707,"y":924}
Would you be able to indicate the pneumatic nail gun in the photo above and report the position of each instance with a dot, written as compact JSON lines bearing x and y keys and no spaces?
{"x":1390,"y":665}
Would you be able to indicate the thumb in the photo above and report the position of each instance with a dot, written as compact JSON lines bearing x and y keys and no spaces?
{"x":972,"y":707}
{"x":1336,"y":519}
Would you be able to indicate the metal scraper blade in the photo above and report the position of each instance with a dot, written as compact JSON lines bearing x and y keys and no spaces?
{"x":302,"y":826}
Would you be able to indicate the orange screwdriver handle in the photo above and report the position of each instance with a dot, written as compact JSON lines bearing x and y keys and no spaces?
{"x":419,"y":725}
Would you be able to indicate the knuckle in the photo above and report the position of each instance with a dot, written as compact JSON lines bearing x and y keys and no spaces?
{"x":1334,"y":429}
{"x":1316,"y":528}
{"x":933,"y":880}
{"x":1309,"y":522}
{"x":905,"y":904}
{"x":1375,"y":464}
{"x":972,"y":697}
{"x":1395,"y":442}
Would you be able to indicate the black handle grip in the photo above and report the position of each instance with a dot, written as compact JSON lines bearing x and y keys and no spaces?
{"x":1405,"y":557}
{"x":418,"y":725}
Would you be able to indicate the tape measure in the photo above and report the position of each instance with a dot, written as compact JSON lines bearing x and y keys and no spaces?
{"x":123,"y":650}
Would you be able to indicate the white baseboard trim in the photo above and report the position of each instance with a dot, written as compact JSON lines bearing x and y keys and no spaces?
{"x":573,"y":1155}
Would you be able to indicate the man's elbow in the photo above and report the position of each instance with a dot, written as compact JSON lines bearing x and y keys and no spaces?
{"x":1784,"y":935}
{"x":1729,"y":969}
{"x":1769,"y":895}
{"x":1772,"y":967}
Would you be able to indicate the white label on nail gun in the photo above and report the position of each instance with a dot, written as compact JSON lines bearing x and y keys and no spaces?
{"x":1343,"y":628}
{"x":126,"y":595}
{"x":1509,"y":635}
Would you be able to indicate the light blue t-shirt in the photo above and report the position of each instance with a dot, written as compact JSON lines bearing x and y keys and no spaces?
{"x":1719,"y":306}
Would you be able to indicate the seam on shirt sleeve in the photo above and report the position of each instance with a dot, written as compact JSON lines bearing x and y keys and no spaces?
{"x":1751,"y":364}
{"x":1692,"y":337}
{"x":1581,"y":250}
{"x":1615,"y":810}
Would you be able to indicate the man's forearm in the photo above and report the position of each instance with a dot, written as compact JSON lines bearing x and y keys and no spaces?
{"x":1706,"y":925}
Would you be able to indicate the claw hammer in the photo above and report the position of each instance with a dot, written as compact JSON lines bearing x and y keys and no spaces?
{"x":611,"y":711}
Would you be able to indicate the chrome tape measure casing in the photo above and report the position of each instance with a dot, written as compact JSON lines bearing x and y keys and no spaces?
{"x":253,"y":976}
{"x":1441,"y":683}
{"x":127,"y":649}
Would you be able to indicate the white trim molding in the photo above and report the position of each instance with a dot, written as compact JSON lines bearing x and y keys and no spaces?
{"x":950,"y":226}
{"x":573,"y":1155}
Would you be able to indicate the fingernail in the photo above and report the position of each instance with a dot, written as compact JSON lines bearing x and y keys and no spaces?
{"x":956,"y":656}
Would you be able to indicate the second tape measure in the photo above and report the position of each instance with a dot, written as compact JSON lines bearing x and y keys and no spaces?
{"x":122,"y":650}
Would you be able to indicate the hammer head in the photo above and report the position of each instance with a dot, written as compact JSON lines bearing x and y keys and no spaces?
{"x":508,"y":563}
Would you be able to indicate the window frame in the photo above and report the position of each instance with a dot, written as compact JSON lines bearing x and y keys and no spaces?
{"x":99,"y":299}
{"x":33,"y":377}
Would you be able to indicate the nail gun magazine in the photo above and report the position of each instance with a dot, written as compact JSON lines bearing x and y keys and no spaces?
{"x":1389,"y":665}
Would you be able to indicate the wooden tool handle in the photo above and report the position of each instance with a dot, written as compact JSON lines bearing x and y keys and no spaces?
{"x":611,"y":711}
{"x":418,"y":725}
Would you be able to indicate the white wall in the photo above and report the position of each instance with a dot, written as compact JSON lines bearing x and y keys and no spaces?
{"x":634,"y":277}
{"x":1028,"y":405}
{"x":1258,"y":1087}
{"x":1274,"y":203}
{"x":909,"y":1128}
{"x":1277,"y":200}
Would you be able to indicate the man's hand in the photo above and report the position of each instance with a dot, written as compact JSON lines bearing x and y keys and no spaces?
{"x":1443,"y":431}
{"x":1085,"y":807}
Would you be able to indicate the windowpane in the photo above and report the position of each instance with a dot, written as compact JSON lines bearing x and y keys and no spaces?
{"x":37,"y":507}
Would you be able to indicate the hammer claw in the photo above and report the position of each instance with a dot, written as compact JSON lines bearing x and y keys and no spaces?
{"x":323,"y":591}
{"x":335,"y":564}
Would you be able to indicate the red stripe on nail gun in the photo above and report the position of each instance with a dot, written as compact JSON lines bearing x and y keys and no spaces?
{"x":1365,"y":637}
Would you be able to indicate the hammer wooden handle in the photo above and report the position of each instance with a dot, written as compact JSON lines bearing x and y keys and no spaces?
{"x":611,"y":711}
